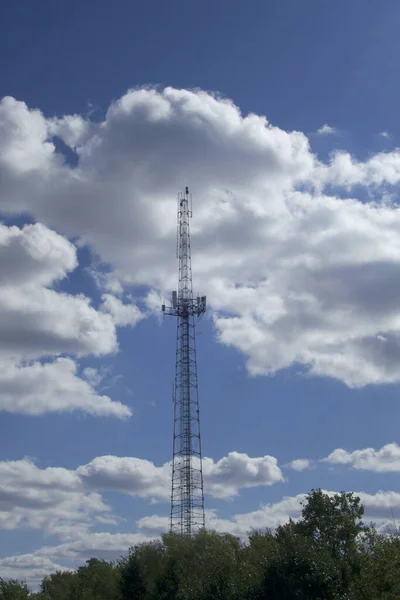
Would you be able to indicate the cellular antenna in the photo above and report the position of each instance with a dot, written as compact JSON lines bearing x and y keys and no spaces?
{"x":187,"y":496}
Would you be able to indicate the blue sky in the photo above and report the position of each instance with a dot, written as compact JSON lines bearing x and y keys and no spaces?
{"x":108,"y":111}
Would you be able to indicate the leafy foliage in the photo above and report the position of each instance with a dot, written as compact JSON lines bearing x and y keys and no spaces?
{"x":328,"y":554}
{"x":13,"y":590}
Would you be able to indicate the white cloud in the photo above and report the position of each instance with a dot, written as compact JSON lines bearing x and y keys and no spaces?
{"x":222,"y":479}
{"x":51,"y":499}
{"x":346,"y":171}
{"x":34,"y":255}
{"x":57,"y":498}
{"x":378,"y":509}
{"x":24,"y":147}
{"x":127,"y":474}
{"x":267,"y":516}
{"x":82,"y":546}
{"x":29,"y":567}
{"x":385,"y":134}
{"x":106,"y":520}
{"x":292,"y":275}
{"x":236,"y":471}
{"x":34,"y":319}
{"x":105,"y":281}
{"x":72,"y":129}
{"x":38,"y":388}
{"x":386,"y":459}
{"x":380,"y":500}
{"x":85,"y":545}
{"x":37,"y":321}
{"x":153,"y":301}
{"x":326,"y":130}
{"x":122,"y":314}
{"x":299,"y":464}
{"x":153,"y":525}
{"x":93,"y":376}
{"x":68,"y":503}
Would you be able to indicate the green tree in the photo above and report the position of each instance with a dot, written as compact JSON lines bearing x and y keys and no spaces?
{"x":61,"y":585}
{"x":328,"y":554}
{"x":333,"y":521}
{"x":255,"y":558}
{"x":132,"y":586}
{"x":13,"y":590}
{"x":334,"y":524}
{"x":98,"y":580}
{"x":300,"y":570}
{"x":380,"y":568}
{"x":167,"y":584}
{"x":212,"y":567}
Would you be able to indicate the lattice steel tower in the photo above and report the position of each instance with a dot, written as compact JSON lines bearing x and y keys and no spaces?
{"x":187,"y":499}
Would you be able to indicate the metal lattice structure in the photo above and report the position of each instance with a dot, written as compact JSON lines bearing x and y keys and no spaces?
{"x":187,"y":498}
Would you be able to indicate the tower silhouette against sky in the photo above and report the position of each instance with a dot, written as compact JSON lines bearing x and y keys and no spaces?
{"x":187,"y":498}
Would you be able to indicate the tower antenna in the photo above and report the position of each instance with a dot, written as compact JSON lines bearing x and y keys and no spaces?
{"x":187,"y":496}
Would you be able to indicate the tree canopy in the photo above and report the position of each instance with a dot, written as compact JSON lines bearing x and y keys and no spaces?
{"x":328,"y":554}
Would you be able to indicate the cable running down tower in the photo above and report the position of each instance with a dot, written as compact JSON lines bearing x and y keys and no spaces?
{"x":187,"y":498}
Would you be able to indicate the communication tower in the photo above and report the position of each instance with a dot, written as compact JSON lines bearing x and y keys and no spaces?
{"x":187,"y":498}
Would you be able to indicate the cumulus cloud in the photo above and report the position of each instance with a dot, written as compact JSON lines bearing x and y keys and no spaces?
{"x":72,"y":129}
{"x":54,"y":497}
{"x":378,"y":509}
{"x":300,"y":464}
{"x":127,"y":474}
{"x":94,"y":376}
{"x":122,"y":314}
{"x":222,"y":479}
{"x":38,"y":388}
{"x":37,"y":321}
{"x":29,"y":567}
{"x":346,"y":171}
{"x":51,"y":499}
{"x":68,"y":503}
{"x":268,"y":516}
{"x":294,"y":275}
{"x":386,"y":459}
{"x":24,"y":147}
{"x":69,"y":555}
{"x":62,"y":501}
{"x":34,"y":254}
{"x":326,"y":130}
{"x":85,"y":545}
{"x":225,"y":477}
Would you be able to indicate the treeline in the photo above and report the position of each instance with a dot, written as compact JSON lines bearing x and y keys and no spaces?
{"x":329,"y":554}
